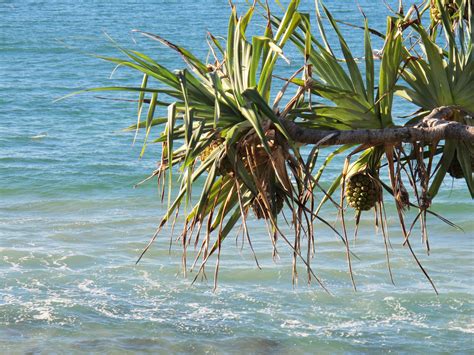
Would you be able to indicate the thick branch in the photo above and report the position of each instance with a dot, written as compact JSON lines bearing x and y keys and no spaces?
{"x":432,"y":128}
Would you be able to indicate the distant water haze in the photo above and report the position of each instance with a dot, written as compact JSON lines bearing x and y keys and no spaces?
{"x":72,"y":226}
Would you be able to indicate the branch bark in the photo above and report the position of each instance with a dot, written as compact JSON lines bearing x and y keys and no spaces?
{"x":432,"y":128}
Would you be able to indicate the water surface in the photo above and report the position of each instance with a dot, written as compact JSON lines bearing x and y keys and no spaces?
{"x":72,"y":226}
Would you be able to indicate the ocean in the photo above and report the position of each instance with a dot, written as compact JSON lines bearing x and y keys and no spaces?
{"x":72,"y":225}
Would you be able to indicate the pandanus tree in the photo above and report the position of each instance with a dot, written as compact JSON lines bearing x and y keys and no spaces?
{"x":231,"y":130}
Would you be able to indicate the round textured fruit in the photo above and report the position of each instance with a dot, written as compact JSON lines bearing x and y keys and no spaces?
{"x":361,"y":191}
{"x":450,"y":7}
{"x":209,"y":149}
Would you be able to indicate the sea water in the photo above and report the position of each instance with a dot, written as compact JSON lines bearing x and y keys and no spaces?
{"x":72,"y":225}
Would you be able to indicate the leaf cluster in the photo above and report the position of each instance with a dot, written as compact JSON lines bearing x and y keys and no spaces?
{"x":222,"y":133}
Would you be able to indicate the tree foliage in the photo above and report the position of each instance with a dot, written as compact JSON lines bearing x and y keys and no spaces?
{"x":224,"y":134}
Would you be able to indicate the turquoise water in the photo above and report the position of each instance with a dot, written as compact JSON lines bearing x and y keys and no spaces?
{"x":72,"y":226}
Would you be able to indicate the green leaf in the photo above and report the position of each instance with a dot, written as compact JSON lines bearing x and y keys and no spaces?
{"x":258,"y":43}
{"x":464,"y":154}
{"x":356,"y":77}
{"x":448,"y":155}
{"x":141,"y":96}
{"x":254,"y":96}
{"x":188,"y":124}
{"x":149,"y":118}
{"x":288,"y":25}
{"x":369,"y":65}
{"x":188,"y":57}
{"x":389,"y":68}
{"x":169,"y":146}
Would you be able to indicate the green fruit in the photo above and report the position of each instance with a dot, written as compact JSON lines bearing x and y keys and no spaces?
{"x":361,"y":191}
{"x":209,"y":149}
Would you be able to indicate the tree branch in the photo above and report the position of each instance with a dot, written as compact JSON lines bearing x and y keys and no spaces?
{"x":432,"y":128}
